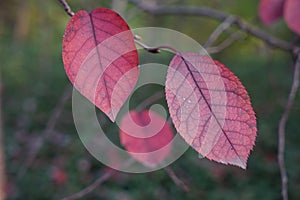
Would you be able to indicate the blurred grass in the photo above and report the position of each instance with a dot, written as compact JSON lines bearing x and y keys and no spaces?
{"x":34,"y":79}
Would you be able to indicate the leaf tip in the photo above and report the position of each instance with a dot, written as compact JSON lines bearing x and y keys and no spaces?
{"x":243,"y":166}
{"x":111,"y":116}
{"x":242,"y":163}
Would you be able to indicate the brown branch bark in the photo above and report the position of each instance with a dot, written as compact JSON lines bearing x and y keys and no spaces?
{"x":2,"y":159}
{"x":219,"y":16}
{"x":281,"y":131}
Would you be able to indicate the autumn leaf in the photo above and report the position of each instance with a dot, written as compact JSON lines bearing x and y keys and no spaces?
{"x":210,"y":108}
{"x":100,"y":58}
{"x":292,"y":15}
{"x":270,"y":10}
{"x":146,"y":136}
{"x":59,"y":176}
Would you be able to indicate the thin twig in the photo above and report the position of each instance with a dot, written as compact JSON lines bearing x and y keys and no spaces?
{"x":217,"y":15}
{"x":106,"y":176}
{"x":152,"y":49}
{"x":226,"y":43}
{"x":281,"y":131}
{"x":176,"y":180}
{"x":2,"y":159}
{"x":67,"y":7}
{"x":218,"y":31}
{"x":48,"y":130}
{"x":147,"y":48}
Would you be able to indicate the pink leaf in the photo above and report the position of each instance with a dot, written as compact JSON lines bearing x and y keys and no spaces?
{"x":270,"y":10}
{"x":59,"y":176}
{"x":292,"y":15}
{"x":146,"y":136}
{"x":210,"y":108}
{"x":100,"y":58}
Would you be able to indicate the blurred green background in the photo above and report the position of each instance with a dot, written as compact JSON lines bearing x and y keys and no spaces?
{"x":34,"y":81}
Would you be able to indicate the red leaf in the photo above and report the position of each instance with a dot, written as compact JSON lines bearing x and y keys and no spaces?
{"x":100,"y":58}
{"x":292,"y":15}
{"x":210,"y":108}
{"x":270,"y":10}
{"x":146,"y":136}
{"x":59,"y":176}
